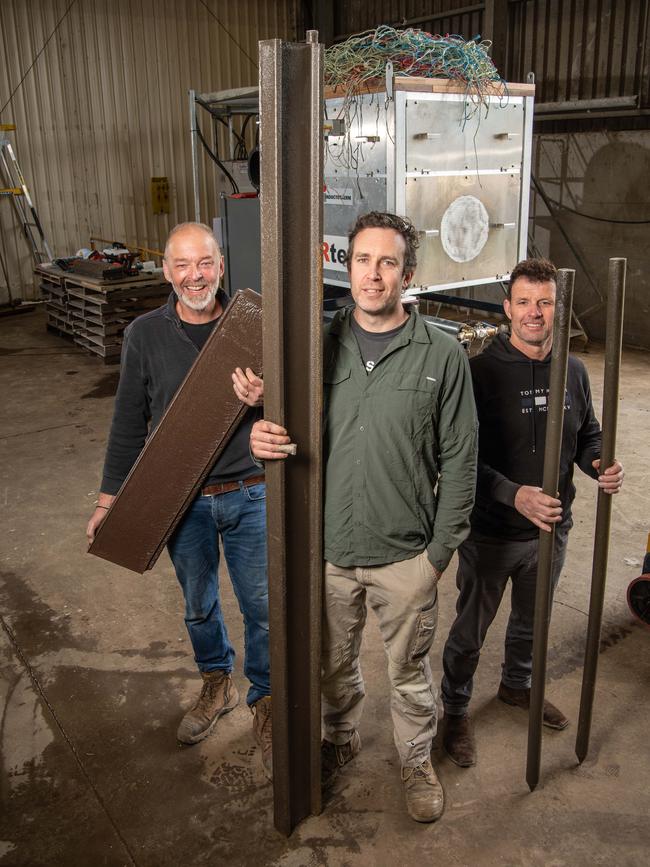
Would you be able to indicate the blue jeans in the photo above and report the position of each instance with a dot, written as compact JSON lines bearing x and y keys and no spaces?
{"x":239,"y":517}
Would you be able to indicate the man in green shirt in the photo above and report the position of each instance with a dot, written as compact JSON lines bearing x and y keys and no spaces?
{"x":400,"y":470}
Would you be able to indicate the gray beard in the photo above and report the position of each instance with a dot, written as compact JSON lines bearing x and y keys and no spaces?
{"x":196,"y":304}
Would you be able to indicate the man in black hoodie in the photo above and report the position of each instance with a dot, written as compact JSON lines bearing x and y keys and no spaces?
{"x":511,"y":388}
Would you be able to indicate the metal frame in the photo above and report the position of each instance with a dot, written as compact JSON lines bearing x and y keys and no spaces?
{"x":291,"y":116}
{"x":526,"y":170}
{"x":195,"y":156}
{"x":225,"y":105}
{"x":16,"y":189}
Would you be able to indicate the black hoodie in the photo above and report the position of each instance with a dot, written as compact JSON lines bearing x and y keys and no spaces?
{"x":511,"y":398}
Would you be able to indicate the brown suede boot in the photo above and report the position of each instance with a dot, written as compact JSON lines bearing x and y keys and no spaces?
{"x":553,"y":716}
{"x":218,"y":696}
{"x":263,"y":732}
{"x":458,"y":740}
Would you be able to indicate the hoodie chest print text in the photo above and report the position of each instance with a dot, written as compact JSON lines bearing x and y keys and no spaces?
{"x":537,"y":399}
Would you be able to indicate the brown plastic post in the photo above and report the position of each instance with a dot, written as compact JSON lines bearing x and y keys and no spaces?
{"x":552,"y":449}
{"x":614,"y":339}
{"x":291,"y":147}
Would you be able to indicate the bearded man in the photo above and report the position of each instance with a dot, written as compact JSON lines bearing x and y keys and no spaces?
{"x":159,"y":349}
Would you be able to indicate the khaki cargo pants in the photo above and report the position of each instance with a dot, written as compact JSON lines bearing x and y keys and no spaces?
{"x":405,"y":600}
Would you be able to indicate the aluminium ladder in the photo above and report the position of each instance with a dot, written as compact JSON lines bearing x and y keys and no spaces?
{"x":15,"y":188}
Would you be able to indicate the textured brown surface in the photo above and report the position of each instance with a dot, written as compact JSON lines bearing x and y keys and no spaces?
{"x":192,"y":434}
{"x":291,"y":220}
{"x":615,"y":307}
{"x":550,"y":480}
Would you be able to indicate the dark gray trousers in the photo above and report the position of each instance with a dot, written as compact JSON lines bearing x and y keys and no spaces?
{"x":484,"y":566}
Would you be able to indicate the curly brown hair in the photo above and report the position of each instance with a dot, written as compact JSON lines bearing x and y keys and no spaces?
{"x":535,"y":270}
{"x":381,"y":220}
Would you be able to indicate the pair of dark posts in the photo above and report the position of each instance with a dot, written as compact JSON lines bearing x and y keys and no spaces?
{"x":557,"y":385}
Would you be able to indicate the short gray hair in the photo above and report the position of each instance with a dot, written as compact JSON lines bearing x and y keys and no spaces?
{"x":190,"y":225}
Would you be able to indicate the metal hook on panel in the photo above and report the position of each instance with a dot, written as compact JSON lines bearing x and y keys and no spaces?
{"x":389,"y":80}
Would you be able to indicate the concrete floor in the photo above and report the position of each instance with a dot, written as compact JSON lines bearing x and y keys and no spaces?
{"x":96,"y":668}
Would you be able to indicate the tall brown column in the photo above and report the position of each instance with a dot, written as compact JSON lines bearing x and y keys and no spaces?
{"x":291,"y":148}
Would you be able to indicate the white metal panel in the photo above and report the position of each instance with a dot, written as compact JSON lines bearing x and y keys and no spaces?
{"x":427,"y":200}
{"x":439,"y":139}
{"x":463,"y":183}
{"x":103,"y":109}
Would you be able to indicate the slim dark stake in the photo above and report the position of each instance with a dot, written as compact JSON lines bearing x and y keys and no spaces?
{"x":552,"y":449}
{"x":614,"y":337}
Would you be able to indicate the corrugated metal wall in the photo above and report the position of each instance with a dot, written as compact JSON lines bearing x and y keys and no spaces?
{"x":103,"y":108}
{"x":578,"y":49}
{"x":436,"y":16}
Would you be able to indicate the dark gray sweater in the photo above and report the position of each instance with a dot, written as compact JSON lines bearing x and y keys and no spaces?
{"x":157,"y":355}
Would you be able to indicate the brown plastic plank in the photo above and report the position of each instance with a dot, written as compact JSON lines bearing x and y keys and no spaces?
{"x":191,"y":435}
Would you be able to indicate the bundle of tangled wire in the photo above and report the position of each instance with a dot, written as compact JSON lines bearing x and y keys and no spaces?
{"x":412,"y":52}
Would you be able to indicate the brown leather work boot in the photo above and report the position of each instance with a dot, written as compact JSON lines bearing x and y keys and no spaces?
{"x":425,"y":797}
{"x":218,"y":696}
{"x":458,"y":740}
{"x":263,"y":732}
{"x":553,"y":716}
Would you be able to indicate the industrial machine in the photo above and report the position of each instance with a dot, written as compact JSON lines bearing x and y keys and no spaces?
{"x":456,"y":165}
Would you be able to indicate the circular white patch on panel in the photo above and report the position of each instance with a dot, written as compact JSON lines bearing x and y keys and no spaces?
{"x":464,"y":228}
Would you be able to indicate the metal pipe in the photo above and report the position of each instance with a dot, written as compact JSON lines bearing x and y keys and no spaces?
{"x":614,"y":337}
{"x":195,"y":156}
{"x":575,"y":105}
{"x":446,"y":325}
{"x":464,"y":332}
{"x":555,"y":216}
{"x":552,"y":450}
{"x":291,"y":217}
{"x":466,"y":303}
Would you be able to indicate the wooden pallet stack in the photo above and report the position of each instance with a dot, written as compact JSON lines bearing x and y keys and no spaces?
{"x":95,"y":312}
{"x":53,"y":291}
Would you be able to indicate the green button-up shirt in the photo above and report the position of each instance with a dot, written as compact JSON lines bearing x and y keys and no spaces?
{"x":400,"y":446}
